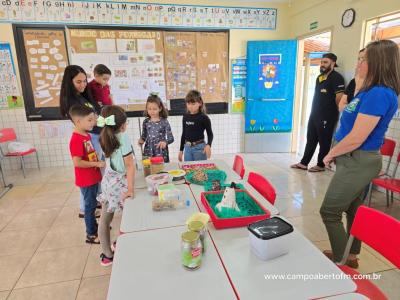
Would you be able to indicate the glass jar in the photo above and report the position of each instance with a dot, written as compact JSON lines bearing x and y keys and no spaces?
{"x":146,"y":167}
{"x":157,"y":164}
{"x":198,"y":226}
{"x":191,"y":250}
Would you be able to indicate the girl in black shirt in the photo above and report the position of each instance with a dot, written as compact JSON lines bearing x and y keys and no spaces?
{"x":194,"y":123}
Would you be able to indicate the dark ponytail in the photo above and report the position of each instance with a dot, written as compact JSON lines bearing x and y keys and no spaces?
{"x":108,"y":137}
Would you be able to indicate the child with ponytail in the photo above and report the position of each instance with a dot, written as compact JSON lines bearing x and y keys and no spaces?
{"x":117,"y":183}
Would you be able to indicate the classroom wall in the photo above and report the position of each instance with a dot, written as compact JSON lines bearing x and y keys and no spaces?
{"x":51,"y":137}
{"x":346,"y":42}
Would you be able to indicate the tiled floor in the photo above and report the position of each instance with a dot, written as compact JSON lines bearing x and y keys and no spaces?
{"x":43,"y":254}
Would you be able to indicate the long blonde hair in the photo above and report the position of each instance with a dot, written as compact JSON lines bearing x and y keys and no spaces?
{"x":383,"y":58}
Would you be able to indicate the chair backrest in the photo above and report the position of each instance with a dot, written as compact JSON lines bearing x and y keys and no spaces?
{"x":7,"y":135}
{"x":263,"y":186}
{"x":238,"y":166}
{"x":387,"y":149}
{"x":378,"y":230}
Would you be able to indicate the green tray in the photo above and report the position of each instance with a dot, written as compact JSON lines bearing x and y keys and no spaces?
{"x":211,"y":175}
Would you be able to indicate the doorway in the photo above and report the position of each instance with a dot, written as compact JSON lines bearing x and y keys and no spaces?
{"x":311,"y":49}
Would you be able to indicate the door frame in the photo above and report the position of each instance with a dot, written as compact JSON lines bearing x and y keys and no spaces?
{"x":299,"y":107}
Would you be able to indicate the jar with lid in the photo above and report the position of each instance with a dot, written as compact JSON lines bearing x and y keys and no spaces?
{"x":199,"y":227}
{"x":191,"y":250}
{"x":146,"y":167}
{"x":157,"y":164}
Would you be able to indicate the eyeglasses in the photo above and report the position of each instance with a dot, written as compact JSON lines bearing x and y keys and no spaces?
{"x":361,"y":59}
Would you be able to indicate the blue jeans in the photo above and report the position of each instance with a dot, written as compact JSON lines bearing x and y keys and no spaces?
{"x":96,"y":145}
{"x":195,"y":152}
{"x":89,"y":197}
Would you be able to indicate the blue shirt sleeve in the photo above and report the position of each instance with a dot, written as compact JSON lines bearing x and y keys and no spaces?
{"x":375,"y":102}
{"x":126,"y":146}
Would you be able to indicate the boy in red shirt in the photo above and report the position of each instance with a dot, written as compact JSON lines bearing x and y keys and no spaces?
{"x":87,"y":166}
{"x":99,"y":85}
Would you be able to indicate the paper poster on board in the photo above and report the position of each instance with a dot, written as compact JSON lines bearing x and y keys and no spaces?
{"x":9,"y":92}
{"x":135,"y":58}
{"x":47,"y":58}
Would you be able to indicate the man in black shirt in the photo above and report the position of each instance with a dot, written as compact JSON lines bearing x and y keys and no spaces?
{"x":324,"y":115}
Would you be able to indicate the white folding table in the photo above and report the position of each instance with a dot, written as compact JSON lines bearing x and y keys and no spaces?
{"x":147,"y":265}
{"x":138,"y":213}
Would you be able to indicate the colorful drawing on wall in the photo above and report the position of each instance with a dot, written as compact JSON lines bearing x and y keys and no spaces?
{"x":270,"y":86}
{"x":269,"y":70}
{"x":15,"y":102}
{"x":239,"y":72}
{"x":8,"y":78}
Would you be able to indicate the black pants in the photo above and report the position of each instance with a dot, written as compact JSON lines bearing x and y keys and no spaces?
{"x":318,"y":132}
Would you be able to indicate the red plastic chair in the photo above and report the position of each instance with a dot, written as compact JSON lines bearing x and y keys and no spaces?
{"x":380,"y":232}
{"x":8,"y":135}
{"x":263,"y":186}
{"x":389,"y":184}
{"x":238,"y":166}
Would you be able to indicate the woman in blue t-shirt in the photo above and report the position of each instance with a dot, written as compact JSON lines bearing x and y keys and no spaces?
{"x":360,"y":134}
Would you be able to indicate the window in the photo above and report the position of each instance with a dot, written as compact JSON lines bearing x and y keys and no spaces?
{"x":383,"y":27}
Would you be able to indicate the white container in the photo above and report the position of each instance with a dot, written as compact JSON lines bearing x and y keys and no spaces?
{"x":153,"y":181}
{"x":270,"y":238}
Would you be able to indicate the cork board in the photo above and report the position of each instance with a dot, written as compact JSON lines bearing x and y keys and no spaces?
{"x":212,"y":66}
{"x":46,"y":54}
{"x":180,"y":63}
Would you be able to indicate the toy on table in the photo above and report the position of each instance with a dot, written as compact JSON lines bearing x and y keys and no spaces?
{"x":153,"y":181}
{"x":177,"y":175}
{"x":169,"y":197}
{"x":229,"y":199}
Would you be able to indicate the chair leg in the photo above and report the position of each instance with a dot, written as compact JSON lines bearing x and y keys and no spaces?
{"x":23,"y":166}
{"x":347,"y":250}
{"x":391,"y":196}
{"x":37,"y":158}
{"x":387,"y":198}
{"x":370,"y":195}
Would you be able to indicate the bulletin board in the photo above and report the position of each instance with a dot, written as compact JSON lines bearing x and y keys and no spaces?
{"x":135,"y":58}
{"x":47,"y":58}
{"x":144,"y":60}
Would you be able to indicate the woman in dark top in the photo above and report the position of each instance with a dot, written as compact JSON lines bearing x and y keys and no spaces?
{"x":194,"y":123}
{"x":74,"y":90}
{"x":354,"y":85}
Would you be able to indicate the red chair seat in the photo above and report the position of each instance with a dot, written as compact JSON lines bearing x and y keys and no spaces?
{"x":33,"y":150}
{"x":391,"y":184}
{"x":364,"y":286}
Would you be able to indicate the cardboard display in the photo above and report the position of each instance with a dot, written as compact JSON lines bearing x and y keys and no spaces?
{"x":47,"y":58}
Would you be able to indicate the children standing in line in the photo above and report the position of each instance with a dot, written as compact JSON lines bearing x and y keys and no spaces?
{"x":87,"y":165}
{"x":194,"y":122}
{"x":117,"y":183}
{"x":99,"y":85}
{"x":156,"y":133}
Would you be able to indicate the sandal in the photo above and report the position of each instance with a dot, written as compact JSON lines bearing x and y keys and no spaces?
{"x":299,"y":167}
{"x":316,"y":169}
{"x":92,"y":239}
